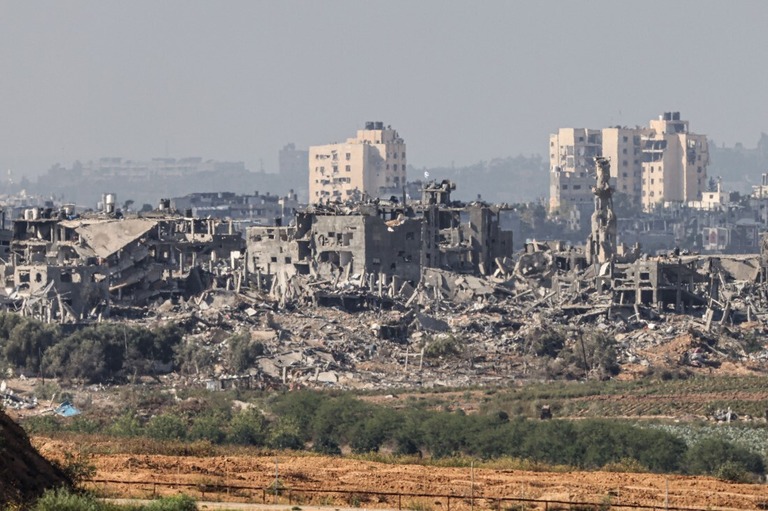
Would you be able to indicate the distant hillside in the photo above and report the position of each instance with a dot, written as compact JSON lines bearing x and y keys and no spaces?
{"x":739,"y":166}
{"x":511,"y":179}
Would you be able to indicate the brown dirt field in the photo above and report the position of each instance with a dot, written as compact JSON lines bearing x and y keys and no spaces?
{"x":322,"y":472}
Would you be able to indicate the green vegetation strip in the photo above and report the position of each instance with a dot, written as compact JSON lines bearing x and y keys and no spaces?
{"x":325,"y":423}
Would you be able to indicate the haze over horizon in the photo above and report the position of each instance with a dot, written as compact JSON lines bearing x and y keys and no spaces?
{"x":460,"y":81}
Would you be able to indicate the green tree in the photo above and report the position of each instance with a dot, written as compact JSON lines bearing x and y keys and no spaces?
{"x":285,"y":434}
{"x":207,"y":427}
{"x":708,"y":456}
{"x":248,"y":427}
{"x":166,"y":427}
{"x":27,"y":341}
{"x":242,"y":352}
{"x":125,"y":425}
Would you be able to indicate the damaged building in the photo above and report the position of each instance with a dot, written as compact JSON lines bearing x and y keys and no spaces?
{"x":383,"y":238}
{"x":64,"y":265}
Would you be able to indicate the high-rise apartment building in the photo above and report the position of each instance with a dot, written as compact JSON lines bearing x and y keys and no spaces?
{"x":661,"y":163}
{"x":674,"y":162}
{"x":572,"y":152}
{"x":623,"y":147}
{"x":373,"y":163}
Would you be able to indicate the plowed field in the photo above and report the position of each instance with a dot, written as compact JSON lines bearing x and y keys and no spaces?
{"x":319,"y":472}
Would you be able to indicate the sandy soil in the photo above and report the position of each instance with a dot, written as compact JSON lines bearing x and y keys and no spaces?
{"x":319,"y":472}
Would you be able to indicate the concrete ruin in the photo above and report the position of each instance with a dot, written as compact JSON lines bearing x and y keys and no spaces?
{"x":382,"y":243}
{"x":601,"y":243}
{"x":68,"y":267}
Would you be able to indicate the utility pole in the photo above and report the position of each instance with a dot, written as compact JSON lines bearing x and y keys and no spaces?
{"x":277,"y":478}
{"x":472,"y":486}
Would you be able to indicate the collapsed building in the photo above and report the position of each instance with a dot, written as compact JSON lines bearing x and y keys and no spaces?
{"x":64,"y":266}
{"x":243,"y":209}
{"x":360,"y":294}
{"x":382,"y":243}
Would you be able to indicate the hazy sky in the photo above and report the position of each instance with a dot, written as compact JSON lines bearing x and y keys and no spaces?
{"x":460,"y":81}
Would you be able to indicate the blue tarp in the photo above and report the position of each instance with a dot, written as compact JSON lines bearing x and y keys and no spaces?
{"x":66,"y":409}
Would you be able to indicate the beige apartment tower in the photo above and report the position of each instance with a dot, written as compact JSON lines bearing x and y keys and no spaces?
{"x":572,"y":153}
{"x":373,"y":164}
{"x":651,"y":165}
{"x":674,"y":162}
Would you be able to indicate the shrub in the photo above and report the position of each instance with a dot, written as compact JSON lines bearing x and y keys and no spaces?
{"x":42,"y":425}
{"x":175,"y":503}
{"x":166,"y":427}
{"x":248,"y":428}
{"x":125,"y":425}
{"x":734,"y":472}
{"x":712,"y":455}
{"x":242,"y":352}
{"x":545,"y":341}
{"x":65,"y":500}
{"x":443,"y":346}
{"x":285,"y":435}
{"x":207,"y":427}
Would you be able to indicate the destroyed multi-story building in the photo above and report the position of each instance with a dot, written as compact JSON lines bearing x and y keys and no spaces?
{"x":243,"y":210}
{"x":466,"y":238}
{"x":369,"y":239}
{"x":67,"y":266}
{"x":390,"y":239}
{"x":372,"y":164}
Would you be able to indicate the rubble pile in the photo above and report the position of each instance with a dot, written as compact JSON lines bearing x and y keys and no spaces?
{"x":452,"y":329}
{"x":383,"y":293}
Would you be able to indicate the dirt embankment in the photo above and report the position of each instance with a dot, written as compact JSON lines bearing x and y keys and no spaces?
{"x":24,"y":473}
{"x":322,"y":472}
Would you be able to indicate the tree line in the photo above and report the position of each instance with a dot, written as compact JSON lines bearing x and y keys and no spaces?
{"x":328,"y":424}
{"x":110,"y":351}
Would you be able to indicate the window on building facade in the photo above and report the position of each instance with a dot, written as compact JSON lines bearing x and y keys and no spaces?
{"x":349,"y":156}
{"x":348,"y":168}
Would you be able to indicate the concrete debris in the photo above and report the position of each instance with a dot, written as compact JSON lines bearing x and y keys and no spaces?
{"x":389,"y":294}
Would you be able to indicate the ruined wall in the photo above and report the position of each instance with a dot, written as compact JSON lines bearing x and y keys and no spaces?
{"x":394,"y":250}
{"x":271,"y":250}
